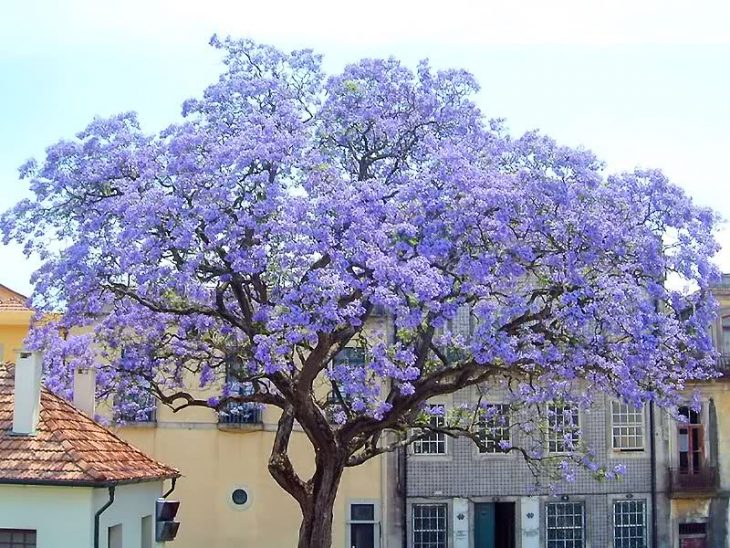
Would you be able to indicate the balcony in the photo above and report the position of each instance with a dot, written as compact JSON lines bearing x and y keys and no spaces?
{"x":240,"y":416}
{"x":723,"y":366}
{"x":703,"y":482}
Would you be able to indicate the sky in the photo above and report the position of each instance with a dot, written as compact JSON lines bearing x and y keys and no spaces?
{"x":642,"y":83}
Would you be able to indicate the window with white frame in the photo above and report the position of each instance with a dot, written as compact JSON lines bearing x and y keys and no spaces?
{"x":565,"y":525}
{"x":563,"y":427}
{"x":433,"y":443}
{"x":627,"y":427}
{"x":362,"y":525}
{"x":494,"y":428}
{"x":629,"y":524}
{"x":430,"y":527}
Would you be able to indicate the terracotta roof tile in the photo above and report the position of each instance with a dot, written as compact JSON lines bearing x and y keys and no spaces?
{"x":12,"y":300}
{"x":68,"y":447}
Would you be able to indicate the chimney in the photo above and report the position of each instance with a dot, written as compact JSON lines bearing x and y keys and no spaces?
{"x":85,"y":391}
{"x":27,"y":395}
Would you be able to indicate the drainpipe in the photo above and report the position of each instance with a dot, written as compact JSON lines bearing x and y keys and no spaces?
{"x":652,"y":452}
{"x":99,"y":512}
{"x":172,"y":488}
{"x":404,"y":509}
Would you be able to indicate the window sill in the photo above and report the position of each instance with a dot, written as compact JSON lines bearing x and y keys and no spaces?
{"x":139,"y":424}
{"x":240,"y":427}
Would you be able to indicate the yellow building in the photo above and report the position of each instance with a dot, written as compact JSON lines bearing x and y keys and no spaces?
{"x":228,"y":499}
{"x":14,"y":321}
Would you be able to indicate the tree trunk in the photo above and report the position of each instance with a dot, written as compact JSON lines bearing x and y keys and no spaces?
{"x":316,"y":528}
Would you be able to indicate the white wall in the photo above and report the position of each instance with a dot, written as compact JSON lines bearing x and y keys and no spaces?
{"x":131,"y":504}
{"x":63,"y":517}
{"x":60,"y":515}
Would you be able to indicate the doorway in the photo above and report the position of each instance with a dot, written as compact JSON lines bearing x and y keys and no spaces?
{"x":494,"y":525}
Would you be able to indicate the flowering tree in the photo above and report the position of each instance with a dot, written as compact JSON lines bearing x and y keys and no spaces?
{"x":288,"y":208}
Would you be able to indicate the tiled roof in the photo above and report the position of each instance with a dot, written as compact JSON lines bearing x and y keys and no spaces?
{"x":68,"y":447}
{"x":12,"y":300}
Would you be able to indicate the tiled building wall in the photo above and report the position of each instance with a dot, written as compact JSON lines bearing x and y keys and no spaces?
{"x":464,"y":473}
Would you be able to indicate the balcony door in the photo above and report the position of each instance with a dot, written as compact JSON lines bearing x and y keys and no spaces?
{"x":690,"y":442}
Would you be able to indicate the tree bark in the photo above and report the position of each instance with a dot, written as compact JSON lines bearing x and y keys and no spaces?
{"x":316,"y":528}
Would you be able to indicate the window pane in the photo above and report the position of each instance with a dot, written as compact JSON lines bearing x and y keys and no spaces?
{"x":494,"y":427}
{"x":433,"y":443}
{"x":563,"y":428}
{"x":629,"y":524}
{"x":362,"y":535}
{"x":429,"y":526}
{"x":627,"y":427}
{"x":564,"y":524}
{"x":362,"y":512}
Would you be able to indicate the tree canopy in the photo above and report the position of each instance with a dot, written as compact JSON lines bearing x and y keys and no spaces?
{"x":288,"y":208}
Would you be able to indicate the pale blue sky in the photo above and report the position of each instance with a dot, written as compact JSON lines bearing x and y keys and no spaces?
{"x":642,"y":83}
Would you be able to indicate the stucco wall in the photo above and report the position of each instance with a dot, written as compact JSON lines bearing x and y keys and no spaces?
{"x":215,"y":462}
{"x":11,"y":339}
{"x":61,"y":516}
{"x":131,"y":504}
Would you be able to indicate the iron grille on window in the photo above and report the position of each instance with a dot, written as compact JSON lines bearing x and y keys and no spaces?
{"x":136,"y":405}
{"x":430,"y":527}
{"x":17,"y":538}
{"x":629,"y":524}
{"x":627,"y":427}
{"x":494,"y":428}
{"x":565,"y":525}
{"x":235,"y":412}
{"x":563,"y":427}
{"x":433,"y":443}
{"x":336,"y":404}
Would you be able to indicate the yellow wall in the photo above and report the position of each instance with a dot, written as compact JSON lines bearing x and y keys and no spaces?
{"x":11,"y":339}
{"x":214,"y":462}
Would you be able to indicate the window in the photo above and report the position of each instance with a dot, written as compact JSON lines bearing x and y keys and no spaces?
{"x":692,"y":535}
{"x":136,"y":405}
{"x":629,"y":524}
{"x":627,"y":427}
{"x":494,"y":428}
{"x":563,"y":427}
{"x":338,"y":405}
{"x":350,"y":356}
{"x":362,"y":526}
{"x":429,"y":526}
{"x":690,"y":442}
{"x":114,"y":537}
{"x":235,"y":412}
{"x":564,"y":525}
{"x":433,"y":443}
{"x":17,"y":538}
{"x":146,"y":532}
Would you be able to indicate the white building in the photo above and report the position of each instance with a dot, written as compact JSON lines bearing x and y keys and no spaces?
{"x":66,"y":481}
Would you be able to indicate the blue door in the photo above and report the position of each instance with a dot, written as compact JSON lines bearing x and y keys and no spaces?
{"x":484,"y":525}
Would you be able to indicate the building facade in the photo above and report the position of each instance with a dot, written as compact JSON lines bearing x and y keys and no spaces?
{"x":461,"y":497}
{"x":674,"y":492}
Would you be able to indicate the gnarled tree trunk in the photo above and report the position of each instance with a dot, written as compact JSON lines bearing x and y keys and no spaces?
{"x":316,"y":497}
{"x":316,"y":528}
